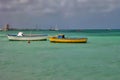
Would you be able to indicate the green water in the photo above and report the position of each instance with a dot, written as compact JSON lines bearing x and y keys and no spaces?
{"x":99,"y":59}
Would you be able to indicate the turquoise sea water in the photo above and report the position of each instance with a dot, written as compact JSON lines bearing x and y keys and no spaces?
{"x":99,"y":59}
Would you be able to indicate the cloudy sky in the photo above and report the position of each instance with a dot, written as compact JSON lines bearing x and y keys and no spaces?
{"x":68,"y":14}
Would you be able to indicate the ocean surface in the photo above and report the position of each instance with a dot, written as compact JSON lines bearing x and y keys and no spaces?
{"x":98,"y":59}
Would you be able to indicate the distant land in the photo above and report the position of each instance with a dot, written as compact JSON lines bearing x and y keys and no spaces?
{"x":7,"y":27}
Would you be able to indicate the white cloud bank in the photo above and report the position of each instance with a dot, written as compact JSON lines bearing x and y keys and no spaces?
{"x":63,"y":7}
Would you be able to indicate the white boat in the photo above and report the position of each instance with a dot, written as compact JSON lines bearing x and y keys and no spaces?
{"x":54,"y":28}
{"x":27,"y":37}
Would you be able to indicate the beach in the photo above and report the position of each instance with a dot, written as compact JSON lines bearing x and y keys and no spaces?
{"x":98,"y":59}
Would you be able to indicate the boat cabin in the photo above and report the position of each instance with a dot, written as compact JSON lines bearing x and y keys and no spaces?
{"x":20,"y":34}
{"x":60,"y":36}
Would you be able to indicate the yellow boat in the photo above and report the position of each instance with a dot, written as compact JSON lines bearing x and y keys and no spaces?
{"x":62,"y":39}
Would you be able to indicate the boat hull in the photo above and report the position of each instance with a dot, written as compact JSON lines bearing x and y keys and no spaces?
{"x":27,"y":38}
{"x":68,"y":40}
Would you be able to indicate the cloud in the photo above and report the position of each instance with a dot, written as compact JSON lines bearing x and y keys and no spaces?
{"x":62,"y":7}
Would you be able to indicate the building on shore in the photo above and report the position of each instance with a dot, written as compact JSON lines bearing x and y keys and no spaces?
{"x":6,"y":27}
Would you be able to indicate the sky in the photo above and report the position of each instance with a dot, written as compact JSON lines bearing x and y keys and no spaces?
{"x":66,"y":14}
